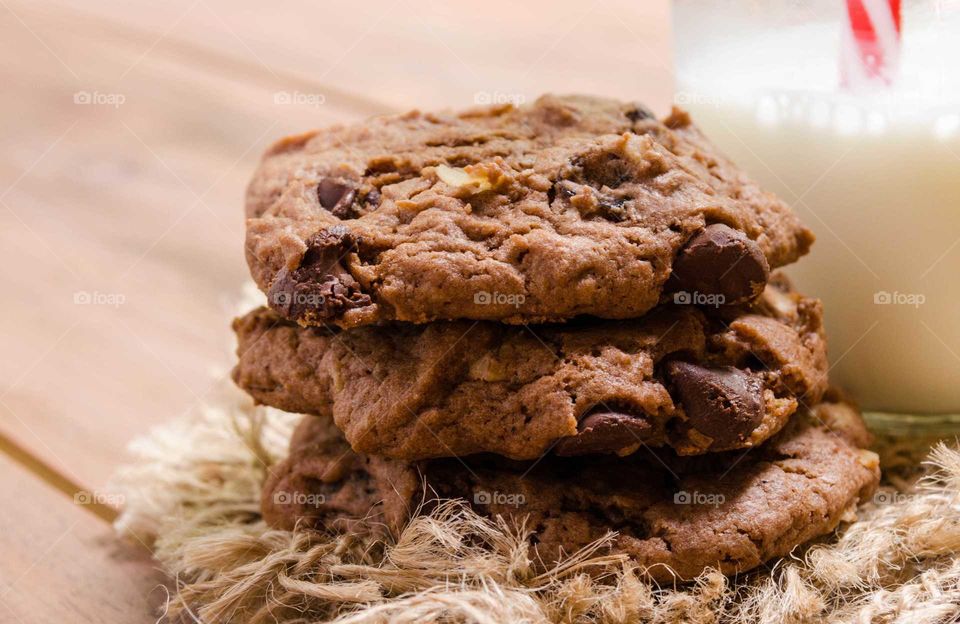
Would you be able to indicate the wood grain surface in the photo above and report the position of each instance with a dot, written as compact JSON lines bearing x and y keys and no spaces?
{"x":63,"y":564}
{"x":129,"y":129}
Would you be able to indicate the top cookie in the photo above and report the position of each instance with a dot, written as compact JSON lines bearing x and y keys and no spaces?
{"x":568,"y":206}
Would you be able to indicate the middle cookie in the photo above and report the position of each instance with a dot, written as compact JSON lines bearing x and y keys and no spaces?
{"x":676,"y":377}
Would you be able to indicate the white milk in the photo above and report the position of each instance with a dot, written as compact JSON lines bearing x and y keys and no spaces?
{"x":876,"y":176}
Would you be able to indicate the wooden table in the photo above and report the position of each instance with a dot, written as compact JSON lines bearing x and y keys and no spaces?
{"x":129,"y":129}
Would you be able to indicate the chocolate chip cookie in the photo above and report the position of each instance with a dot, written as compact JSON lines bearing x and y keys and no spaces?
{"x":676,"y":377}
{"x":673,"y":515}
{"x":568,"y":206}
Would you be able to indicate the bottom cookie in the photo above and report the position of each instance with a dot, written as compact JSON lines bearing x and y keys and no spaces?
{"x":673,"y":515}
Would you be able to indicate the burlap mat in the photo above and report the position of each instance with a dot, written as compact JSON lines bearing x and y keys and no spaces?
{"x":193,"y":492}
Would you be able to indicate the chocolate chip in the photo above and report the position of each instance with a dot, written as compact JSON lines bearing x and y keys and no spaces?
{"x":564,"y":189}
{"x":372,"y":199}
{"x":604,"y":432}
{"x":321,"y":288}
{"x":638,"y":112}
{"x":723,"y":403}
{"x":336,"y":196}
{"x":720,"y":262}
{"x":611,"y":208}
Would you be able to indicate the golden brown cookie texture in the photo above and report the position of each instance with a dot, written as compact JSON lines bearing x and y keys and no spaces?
{"x":564,"y":207}
{"x":324,"y":482}
{"x":673,"y":515}
{"x":677,"y":377}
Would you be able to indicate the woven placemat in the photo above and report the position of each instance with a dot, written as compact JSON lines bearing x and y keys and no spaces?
{"x":192,"y":493}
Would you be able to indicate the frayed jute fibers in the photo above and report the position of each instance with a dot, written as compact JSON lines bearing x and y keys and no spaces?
{"x":193,"y":490}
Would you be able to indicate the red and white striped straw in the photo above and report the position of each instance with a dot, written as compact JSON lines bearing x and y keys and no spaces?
{"x":871,"y":43}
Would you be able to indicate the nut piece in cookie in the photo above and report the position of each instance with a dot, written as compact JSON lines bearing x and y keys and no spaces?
{"x":320,"y":289}
{"x":721,"y":261}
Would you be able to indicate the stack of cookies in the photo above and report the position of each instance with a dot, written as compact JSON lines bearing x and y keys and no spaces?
{"x":563,"y":313}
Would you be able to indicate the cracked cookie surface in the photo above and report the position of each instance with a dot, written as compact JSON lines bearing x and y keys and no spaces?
{"x":673,"y":515}
{"x":564,"y":207}
{"x":677,"y":377}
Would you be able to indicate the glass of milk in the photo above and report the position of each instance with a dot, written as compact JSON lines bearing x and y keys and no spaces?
{"x":871,"y":166}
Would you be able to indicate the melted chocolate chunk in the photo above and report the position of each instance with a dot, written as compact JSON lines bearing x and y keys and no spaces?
{"x":723,"y":403}
{"x":320,"y":288}
{"x":721,"y":262}
{"x":605,"y":432}
{"x":337,"y":197}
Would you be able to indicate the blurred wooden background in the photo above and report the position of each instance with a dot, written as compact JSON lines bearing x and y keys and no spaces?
{"x":129,"y":129}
